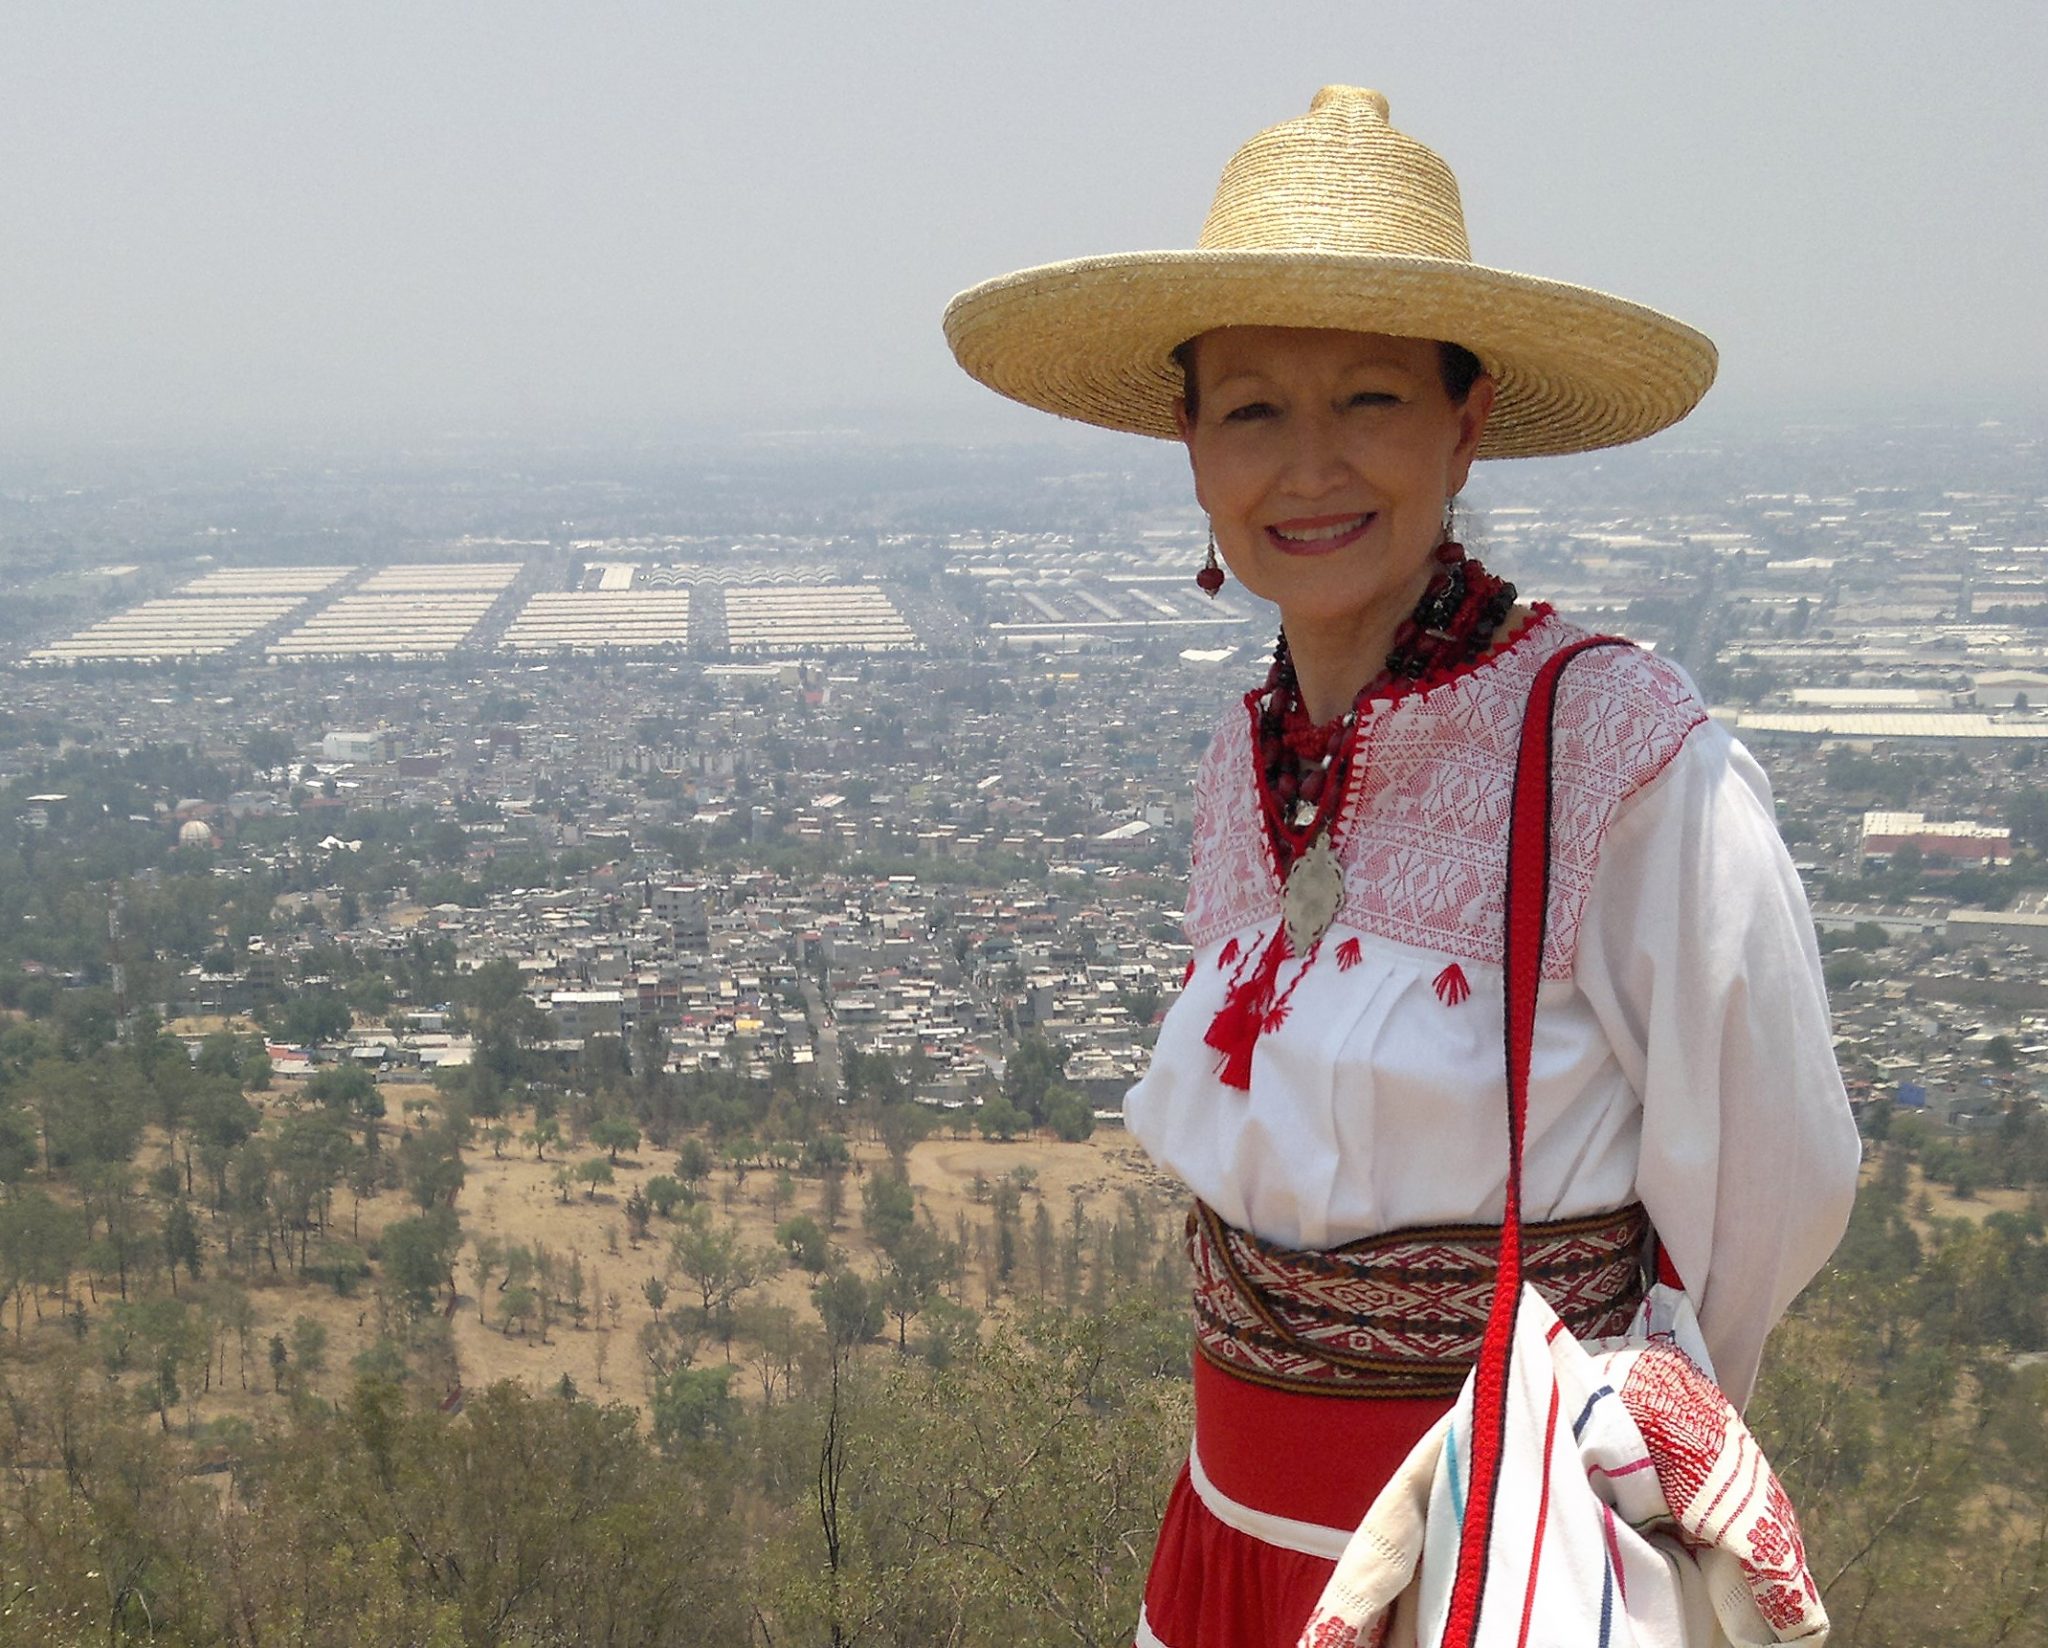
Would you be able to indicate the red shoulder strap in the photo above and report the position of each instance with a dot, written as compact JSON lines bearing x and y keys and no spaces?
{"x":1528,"y":901}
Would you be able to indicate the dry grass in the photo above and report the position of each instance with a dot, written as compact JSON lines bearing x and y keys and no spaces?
{"x":205,"y":1024}
{"x":515,"y":1200}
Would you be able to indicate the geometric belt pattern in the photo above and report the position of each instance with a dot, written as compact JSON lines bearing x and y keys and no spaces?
{"x":1400,"y":1314}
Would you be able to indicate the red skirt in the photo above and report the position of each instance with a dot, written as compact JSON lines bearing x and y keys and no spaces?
{"x":1272,"y":1489}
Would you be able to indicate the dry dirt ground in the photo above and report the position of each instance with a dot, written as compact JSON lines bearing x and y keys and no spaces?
{"x":205,"y":1024}
{"x":1944,"y":1203}
{"x":514,"y":1199}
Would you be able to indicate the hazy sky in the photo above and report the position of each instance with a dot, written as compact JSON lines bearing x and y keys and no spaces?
{"x":405,"y":218}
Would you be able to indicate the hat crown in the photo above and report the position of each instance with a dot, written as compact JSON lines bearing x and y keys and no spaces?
{"x":1338,"y":179}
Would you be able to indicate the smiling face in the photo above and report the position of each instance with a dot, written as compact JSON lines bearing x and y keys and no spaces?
{"x":1324,"y":460}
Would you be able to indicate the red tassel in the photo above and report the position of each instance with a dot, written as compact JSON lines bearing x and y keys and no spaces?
{"x":1274,"y":1019}
{"x":1234,"y":1031}
{"x":1190,"y":973}
{"x":1451,"y":987}
{"x":1347,"y":955}
{"x":1229,"y":954}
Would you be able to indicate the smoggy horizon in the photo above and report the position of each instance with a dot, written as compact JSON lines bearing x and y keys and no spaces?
{"x":234,"y":223}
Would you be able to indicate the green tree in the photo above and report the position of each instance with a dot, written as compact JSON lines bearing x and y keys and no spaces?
{"x":850,"y":1309}
{"x":999,"y":1119}
{"x":419,"y":1256}
{"x":693,"y":1405}
{"x":888,"y":1208}
{"x":806,"y":1243}
{"x":308,"y":1348}
{"x":920,"y":1263}
{"x":612,"y":1135}
{"x":41,"y":1243}
{"x":693,"y":1166}
{"x":1031,"y":1071}
{"x":181,"y":1242}
{"x":718,"y":1265}
{"x":1068,"y":1114}
{"x":346,"y":1089}
{"x":430,"y":1167}
{"x":269,"y":750}
{"x":592,"y":1173}
{"x":313,"y":1017}
{"x":172,"y":1340}
{"x":487,"y":1258}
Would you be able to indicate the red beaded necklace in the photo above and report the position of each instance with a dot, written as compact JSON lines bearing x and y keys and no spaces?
{"x":1304,"y":768}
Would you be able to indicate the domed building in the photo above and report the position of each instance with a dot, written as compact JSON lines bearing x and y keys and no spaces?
{"x":196,"y":832}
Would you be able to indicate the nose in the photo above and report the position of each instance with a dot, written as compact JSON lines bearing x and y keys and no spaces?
{"x":1318,"y":463}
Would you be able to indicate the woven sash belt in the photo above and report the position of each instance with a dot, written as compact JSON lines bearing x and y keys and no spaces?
{"x":1399,"y":1315}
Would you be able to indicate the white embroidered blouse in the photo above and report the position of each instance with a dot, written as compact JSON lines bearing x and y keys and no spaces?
{"x":1683,"y":1054}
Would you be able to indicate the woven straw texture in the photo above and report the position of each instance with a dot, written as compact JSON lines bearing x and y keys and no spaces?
{"x":1336,"y":220}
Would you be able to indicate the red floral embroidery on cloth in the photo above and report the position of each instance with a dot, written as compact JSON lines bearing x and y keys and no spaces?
{"x":1326,"y":1630}
{"x":1720,"y":1488}
{"x":1424,"y":830}
{"x":1452,"y":986}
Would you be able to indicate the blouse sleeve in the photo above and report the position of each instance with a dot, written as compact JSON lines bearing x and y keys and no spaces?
{"x":1697,"y":956}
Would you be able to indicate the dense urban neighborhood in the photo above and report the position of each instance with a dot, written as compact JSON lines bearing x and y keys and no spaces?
{"x":939,"y":800}
{"x":659,"y":951}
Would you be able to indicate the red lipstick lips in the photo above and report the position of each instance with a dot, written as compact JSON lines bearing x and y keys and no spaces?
{"x":1319,"y":534}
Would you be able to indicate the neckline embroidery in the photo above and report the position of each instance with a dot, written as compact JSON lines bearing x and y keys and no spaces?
{"x":1423,"y":821}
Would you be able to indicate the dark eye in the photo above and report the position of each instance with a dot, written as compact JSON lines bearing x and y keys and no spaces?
{"x":1374,"y":397}
{"x":1250,"y":412}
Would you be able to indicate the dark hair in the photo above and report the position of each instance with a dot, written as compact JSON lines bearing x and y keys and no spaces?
{"x":1456,"y":365}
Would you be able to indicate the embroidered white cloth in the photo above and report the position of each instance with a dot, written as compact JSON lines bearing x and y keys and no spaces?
{"x":1683,"y":1054}
{"x":1636,"y":1511}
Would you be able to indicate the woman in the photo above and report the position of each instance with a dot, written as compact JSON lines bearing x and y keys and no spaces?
{"x":1330,"y":1081}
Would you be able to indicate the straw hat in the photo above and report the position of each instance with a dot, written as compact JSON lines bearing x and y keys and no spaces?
{"x":1332,"y":220}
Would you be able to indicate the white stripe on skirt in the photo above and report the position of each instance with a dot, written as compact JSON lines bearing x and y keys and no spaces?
{"x":1303,"y":1538}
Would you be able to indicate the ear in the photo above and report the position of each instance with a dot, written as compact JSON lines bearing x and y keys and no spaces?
{"x":1472,"y":418}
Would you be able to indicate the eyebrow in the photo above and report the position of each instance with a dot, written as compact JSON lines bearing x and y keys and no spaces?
{"x":1252,"y":374}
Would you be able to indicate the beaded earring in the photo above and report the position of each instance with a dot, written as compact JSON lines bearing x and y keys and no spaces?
{"x":1210,"y":579}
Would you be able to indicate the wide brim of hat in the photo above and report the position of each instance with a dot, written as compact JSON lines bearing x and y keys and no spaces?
{"x":1092,"y":339}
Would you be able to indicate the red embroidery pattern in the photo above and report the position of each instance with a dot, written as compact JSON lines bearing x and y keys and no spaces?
{"x":1451,"y":986}
{"x":1326,"y":1630}
{"x":1395,"y":1315}
{"x":1188,"y":974}
{"x":1348,"y":955}
{"x":1234,"y":1031}
{"x":1697,"y":1441}
{"x":1423,"y":833}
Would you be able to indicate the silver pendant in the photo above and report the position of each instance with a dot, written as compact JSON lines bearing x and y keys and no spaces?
{"x":1314,"y":892}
